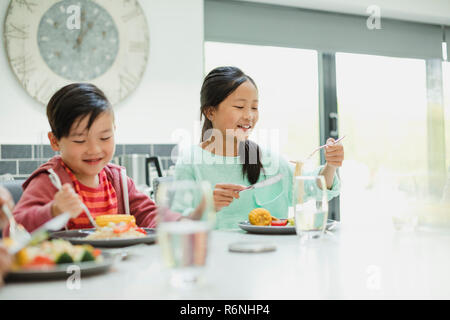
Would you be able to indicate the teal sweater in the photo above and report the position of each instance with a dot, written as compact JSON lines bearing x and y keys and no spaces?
{"x":198,"y":164}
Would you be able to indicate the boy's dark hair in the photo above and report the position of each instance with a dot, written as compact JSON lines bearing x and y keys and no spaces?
{"x":73,"y":103}
{"x":217,"y":86}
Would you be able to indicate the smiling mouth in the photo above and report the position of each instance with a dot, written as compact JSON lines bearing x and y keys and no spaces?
{"x":246,"y":127}
{"x":93,"y":161}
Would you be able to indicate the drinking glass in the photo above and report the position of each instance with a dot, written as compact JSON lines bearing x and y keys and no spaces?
{"x":184,"y":243}
{"x":310,"y":205}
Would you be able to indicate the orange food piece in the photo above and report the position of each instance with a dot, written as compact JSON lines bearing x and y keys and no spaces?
{"x":96,"y":252}
{"x":260,"y":217}
{"x":104,"y":220}
{"x":122,"y":229}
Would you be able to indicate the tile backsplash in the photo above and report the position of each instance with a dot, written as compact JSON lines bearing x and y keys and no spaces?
{"x":20,"y":160}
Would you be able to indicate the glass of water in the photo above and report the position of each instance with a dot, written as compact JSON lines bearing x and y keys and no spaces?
{"x":184,"y":243}
{"x":310,"y":207}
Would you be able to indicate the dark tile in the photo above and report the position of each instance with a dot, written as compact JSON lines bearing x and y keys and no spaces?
{"x":165,"y":164}
{"x":16,"y":151}
{"x":172,"y":162}
{"x":137,"y":148}
{"x":21,"y":177}
{"x":27,"y":167}
{"x":163,"y":150}
{"x":8,"y":167}
{"x":43,"y":151}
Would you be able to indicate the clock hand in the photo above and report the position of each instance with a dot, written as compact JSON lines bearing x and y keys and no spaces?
{"x":81,"y":36}
{"x":83,"y":18}
{"x":82,"y":30}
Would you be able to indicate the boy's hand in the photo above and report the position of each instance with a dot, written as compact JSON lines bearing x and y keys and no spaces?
{"x":334,"y":153}
{"x":67,"y":200}
{"x":5,"y":198}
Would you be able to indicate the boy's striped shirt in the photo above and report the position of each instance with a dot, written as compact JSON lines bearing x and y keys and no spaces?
{"x":100,"y":201}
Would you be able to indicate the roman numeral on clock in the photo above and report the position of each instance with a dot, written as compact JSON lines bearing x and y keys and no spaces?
{"x":16,"y":31}
{"x":27,"y":4}
{"x":137,"y":46}
{"x":134,"y":13}
{"x":23,"y":65}
{"x":127,"y":82}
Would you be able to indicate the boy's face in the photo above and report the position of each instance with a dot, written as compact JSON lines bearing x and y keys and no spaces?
{"x":85,"y":152}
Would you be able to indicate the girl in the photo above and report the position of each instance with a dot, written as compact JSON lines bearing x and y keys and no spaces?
{"x":230,"y":161}
{"x":82,"y":130}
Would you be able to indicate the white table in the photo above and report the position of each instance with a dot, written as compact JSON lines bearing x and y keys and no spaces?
{"x":355,"y":262}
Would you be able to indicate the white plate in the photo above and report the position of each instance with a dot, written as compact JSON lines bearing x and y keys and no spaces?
{"x":78,"y":237}
{"x":245,"y":225}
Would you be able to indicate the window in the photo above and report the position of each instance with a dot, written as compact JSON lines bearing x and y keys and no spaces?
{"x":382,"y":107}
{"x":446,"y":85}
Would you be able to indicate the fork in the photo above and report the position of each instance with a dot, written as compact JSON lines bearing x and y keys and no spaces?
{"x":317,"y":149}
{"x":16,"y":231}
{"x":325,"y":145}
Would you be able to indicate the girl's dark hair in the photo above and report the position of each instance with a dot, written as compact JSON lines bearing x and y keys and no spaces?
{"x":217,"y":86}
{"x":73,"y":103}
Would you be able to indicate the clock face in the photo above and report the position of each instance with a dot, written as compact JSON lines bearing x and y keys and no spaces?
{"x":78,"y":55}
{"x":51,"y":43}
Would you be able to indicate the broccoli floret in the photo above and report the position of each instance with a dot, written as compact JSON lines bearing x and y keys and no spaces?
{"x":87,"y":256}
{"x":64,"y":258}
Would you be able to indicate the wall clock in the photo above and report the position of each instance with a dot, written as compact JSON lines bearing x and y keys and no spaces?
{"x":51,"y":43}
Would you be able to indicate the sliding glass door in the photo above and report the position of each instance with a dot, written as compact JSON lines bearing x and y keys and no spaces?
{"x":382,"y":107}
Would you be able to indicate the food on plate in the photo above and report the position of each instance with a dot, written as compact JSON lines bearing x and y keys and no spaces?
{"x":260,"y":217}
{"x":291,"y":222}
{"x":279,"y":223}
{"x":122,"y":230}
{"x":48,"y":254}
{"x":104,"y":220}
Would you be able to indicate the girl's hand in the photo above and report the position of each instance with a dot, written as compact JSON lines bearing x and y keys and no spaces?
{"x":5,"y":198}
{"x":224,"y":194}
{"x":334,"y":154}
{"x":67,"y":200}
{"x":5,"y":263}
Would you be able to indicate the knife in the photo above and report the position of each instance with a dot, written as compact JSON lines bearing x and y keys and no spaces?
{"x":264,"y":183}
{"x":42,"y":233}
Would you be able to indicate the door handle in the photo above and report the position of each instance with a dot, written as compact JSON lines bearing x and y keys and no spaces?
{"x":333,"y":123}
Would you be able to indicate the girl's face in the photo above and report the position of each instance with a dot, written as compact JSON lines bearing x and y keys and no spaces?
{"x":237,"y":115}
{"x":87,"y":152}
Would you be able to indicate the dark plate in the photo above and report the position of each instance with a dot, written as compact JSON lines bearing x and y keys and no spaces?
{"x":63,"y":271}
{"x":245,"y":225}
{"x":78,"y":237}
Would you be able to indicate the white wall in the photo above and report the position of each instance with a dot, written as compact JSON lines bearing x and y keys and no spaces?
{"x":166,"y":99}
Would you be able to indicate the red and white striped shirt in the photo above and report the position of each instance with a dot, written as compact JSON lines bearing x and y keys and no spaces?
{"x":100,"y":201}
